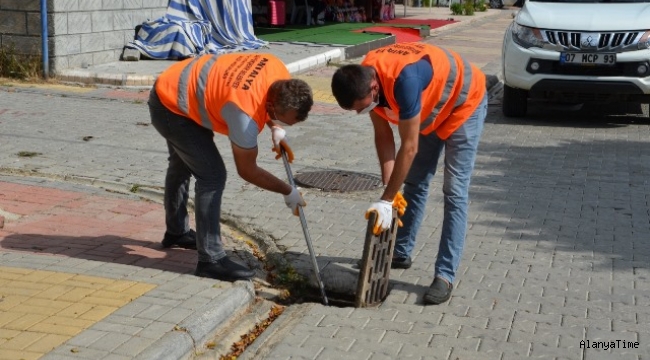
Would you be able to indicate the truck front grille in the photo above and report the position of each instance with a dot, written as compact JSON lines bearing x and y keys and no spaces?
{"x":589,"y":41}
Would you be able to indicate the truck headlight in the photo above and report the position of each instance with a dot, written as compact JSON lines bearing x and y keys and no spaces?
{"x":644,"y":41}
{"x":527,"y":37}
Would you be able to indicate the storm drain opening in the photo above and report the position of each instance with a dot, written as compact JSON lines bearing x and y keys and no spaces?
{"x":338,"y":180}
{"x":370,"y":285}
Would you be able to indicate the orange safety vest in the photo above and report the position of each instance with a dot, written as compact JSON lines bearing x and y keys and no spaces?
{"x":456,"y":90}
{"x":198,"y":88}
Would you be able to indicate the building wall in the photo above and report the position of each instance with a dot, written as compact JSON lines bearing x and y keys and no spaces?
{"x":80,"y":32}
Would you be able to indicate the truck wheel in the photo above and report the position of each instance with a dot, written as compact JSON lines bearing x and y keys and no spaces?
{"x":515,"y":102}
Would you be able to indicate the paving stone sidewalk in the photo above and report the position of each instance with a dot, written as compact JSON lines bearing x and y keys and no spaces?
{"x":83,"y":276}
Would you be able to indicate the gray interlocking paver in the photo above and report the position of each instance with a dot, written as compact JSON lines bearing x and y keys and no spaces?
{"x":120,"y":357}
{"x":410,"y":351}
{"x":371,"y":343}
{"x":444,"y":342}
{"x":336,"y":321}
{"x":134,"y":346}
{"x":462,"y":354}
{"x":110,"y":341}
{"x":156,"y":329}
{"x":332,"y":353}
{"x":111,"y":327}
{"x":392,"y":325}
{"x":544,"y":338}
{"x":174,"y":316}
{"x":65,"y":351}
{"x":398,"y":340}
{"x":317,"y":342}
{"x":509,"y":350}
{"x":449,"y":319}
{"x":575,"y":321}
{"x":434,"y":329}
{"x":87,"y":337}
{"x":483,"y":334}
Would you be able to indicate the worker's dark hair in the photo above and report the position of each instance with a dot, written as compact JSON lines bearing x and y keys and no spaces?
{"x":351,"y":83}
{"x":293,"y":94}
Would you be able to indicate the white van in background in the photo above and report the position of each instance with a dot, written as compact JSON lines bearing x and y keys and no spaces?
{"x":577,"y":52}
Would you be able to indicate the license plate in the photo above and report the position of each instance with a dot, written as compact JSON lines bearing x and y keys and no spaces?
{"x":588,"y":58}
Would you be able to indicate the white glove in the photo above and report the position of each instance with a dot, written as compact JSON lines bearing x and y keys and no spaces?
{"x":384,"y":210}
{"x":277,"y":134}
{"x":293,"y":200}
{"x":279,"y":139}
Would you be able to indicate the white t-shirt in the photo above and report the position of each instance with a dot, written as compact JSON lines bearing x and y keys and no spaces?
{"x":242,"y":129}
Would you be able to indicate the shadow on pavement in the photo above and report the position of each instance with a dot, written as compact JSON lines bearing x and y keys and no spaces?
{"x":113,"y":249}
{"x":583,"y":116}
{"x":579,"y":186}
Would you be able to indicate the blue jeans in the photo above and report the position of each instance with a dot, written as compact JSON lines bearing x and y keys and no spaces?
{"x":191,"y":152}
{"x":460,"y":153}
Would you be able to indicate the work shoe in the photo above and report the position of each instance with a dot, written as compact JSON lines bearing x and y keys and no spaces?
{"x":224,"y":269}
{"x":401,"y":263}
{"x":438,"y":292}
{"x":186,"y":241}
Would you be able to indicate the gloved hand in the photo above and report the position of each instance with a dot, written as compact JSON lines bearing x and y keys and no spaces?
{"x":399,"y":203}
{"x":279,"y":138}
{"x":293,"y":200}
{"x":384,"y":210}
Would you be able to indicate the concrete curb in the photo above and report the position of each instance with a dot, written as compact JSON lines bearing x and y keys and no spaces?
{"x":282,"y":325}
{"x":93,"y":78}
{"x":134,"y":80}
{"x":315,"y":61}
{"x":196,"y":330}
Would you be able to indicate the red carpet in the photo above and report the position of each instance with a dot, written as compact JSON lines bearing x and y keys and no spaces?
{"x":433,"y":23}
{"x":402,"y":34}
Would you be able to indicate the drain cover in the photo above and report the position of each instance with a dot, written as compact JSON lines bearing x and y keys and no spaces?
{"x":338,"y":180}
{"x":372,"y":286}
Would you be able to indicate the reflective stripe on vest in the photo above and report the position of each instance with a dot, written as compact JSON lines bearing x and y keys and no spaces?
{"x":183,"y":82}
{"x":200,"y":92}
{"x":449,"y":85}
{"x":467,"y":80}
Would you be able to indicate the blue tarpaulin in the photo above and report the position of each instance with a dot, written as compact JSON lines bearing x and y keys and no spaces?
{"x":196,"y":27}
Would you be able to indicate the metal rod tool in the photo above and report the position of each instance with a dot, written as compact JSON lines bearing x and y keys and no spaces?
{"x":305,"y":230}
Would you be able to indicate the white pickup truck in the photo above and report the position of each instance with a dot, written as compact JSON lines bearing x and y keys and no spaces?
{"x":577,"y":52}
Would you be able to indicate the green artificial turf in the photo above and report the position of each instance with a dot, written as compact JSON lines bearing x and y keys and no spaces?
{"x":336,"y":33}
{"x":330,"y":33}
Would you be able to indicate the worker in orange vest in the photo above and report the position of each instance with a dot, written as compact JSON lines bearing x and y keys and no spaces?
{"x":438,"y":101}
{"x":235,"y":95}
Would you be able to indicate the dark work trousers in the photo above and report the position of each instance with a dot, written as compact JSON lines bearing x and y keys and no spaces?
{"x":192,"y":151}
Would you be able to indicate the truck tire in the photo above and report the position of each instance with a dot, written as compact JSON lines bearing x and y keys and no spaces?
{"x":515,"y":102}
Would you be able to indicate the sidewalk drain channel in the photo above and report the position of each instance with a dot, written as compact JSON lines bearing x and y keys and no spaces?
{"x":338,"y":180}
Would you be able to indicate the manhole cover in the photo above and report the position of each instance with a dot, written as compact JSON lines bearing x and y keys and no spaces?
{"x":338,"y":180}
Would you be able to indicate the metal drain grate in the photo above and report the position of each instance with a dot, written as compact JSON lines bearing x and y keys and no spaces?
{"x":338,"y":180}
{"x":372,"y":286}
